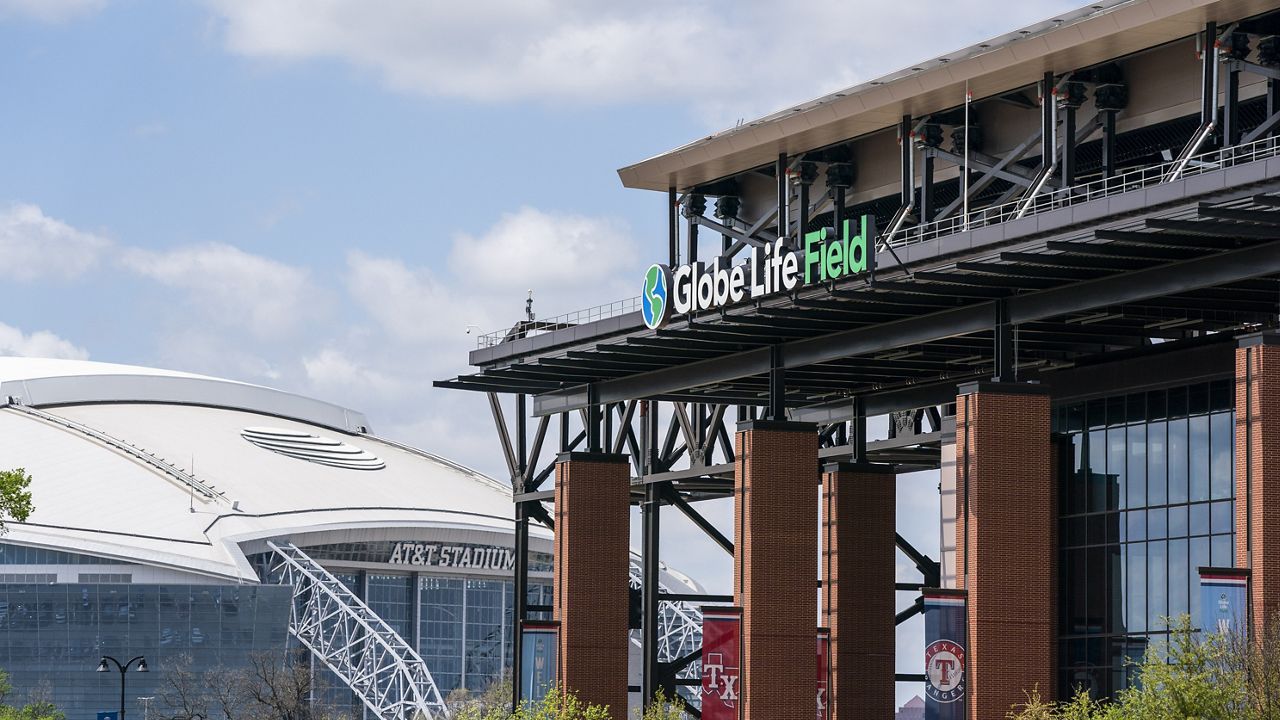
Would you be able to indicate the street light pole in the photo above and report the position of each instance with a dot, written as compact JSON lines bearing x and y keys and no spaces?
{"x":103,"y":667}
{"x":146,"y":706}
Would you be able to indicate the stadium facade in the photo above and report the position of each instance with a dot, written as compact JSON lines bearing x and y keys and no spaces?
{"x":202,"y":522}
{"x":1052,"y":260}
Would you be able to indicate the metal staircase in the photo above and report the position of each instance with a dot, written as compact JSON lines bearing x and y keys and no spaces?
{"x":383,"y":670}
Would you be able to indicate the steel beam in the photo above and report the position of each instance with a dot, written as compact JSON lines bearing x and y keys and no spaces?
{"x":1171,"y":279}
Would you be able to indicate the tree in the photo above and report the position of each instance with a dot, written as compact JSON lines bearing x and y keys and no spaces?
{"x":1188,"y":675}
{"x":39,"y":706}
{"x":15,"y":497}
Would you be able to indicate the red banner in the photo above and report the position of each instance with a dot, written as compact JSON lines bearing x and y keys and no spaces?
{"x":721,"y":663}
{"x":824,"y":674}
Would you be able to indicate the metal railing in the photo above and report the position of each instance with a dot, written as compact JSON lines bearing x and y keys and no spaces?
{"x":1128,"y":181}
{"x":1044,"y":201}
{"x":383,"y":670}
{"x":529,"y":328}
{"x":207,"y":491}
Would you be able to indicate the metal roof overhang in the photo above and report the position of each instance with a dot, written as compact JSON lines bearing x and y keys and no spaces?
{"x":1083,"y":38}
{"x":1175,"y":262}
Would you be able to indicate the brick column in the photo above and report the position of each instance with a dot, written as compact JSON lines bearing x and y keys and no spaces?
{"x":1005,"y":555}
{"x":776,"y":567}
{"x":858,"y":553}
{"x":592,"y":538}
{"x":1258,"y":473}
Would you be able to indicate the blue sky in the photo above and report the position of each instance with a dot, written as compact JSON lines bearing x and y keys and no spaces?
{"x":300,"y":193}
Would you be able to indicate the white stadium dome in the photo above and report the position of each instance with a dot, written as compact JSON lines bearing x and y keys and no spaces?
{"x":195,"y":519}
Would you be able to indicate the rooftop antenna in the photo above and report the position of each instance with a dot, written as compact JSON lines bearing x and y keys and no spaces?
{"x":528,"y":308}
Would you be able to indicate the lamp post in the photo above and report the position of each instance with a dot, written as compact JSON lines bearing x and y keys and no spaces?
{"x":103,"y":667}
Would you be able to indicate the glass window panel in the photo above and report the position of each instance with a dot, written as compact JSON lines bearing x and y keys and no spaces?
{"x":1096,"y":413}
{"x":1076,"y":536}
{"x":1114,"y":582}
{"x":1178,"y":521}
{"x":1097,"y":524}
{"x":1178,"y":461}
{"x":1179,"y":578}
{"x":1222,"y":455}
{"x":1224,"y":517}
{"x":1222,"y":551}
{"x":1157,"y":405}
{"x":1199,"y":558}
{"x":1116,"y":461}
{"x":1098,"y":484}
{"x":1198,"y":458}
{"x":1077,"y":591}
{"x":1116,"y":414}
{"x":1221,"y":395}
{"x":1136,"y":408}
{"x":1157,"y":464}
{"x":1097,"y":600}
{"x":1157,"y":584}
{"x":1198,"y":399}
{"x":1157,"y":523}
{"x":1077,"y":492}
{"x":440,"y":642}
{"x":1137,"y":466}
{"x":1177,"y":402}
{"x":1075,"y":418}
{"x":1199,"y":519}
{"x":1137,"y":522}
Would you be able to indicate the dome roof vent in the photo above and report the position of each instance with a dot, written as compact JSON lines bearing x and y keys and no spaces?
{"x":312,"y":448}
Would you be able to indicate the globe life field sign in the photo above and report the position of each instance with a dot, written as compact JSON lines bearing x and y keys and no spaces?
{"x":772,"y":268}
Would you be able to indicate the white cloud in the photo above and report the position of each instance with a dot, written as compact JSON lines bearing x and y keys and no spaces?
{"x":531,"y":248}
{"x":729,"y":59}
{"x":334,"y":370}
{"x":230,"y":286}
{"x":41,"y":344}
{"x":35,"y":246}
{"x":49,"y":11}
{"x":411,"y":305}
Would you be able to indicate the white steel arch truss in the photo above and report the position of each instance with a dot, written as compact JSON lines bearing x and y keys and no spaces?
{"x":679,"y":632}
{"x":383,"y":670}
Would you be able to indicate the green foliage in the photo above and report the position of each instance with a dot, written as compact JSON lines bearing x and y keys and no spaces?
{"x":1189,"y":676}
{"x":1198,"y":680}
{"x":555,"y":706}
{"x":37,"y":707}
{"x":663,"y":708}
{"x":1034,"y":708}
{"x":15,"y":497}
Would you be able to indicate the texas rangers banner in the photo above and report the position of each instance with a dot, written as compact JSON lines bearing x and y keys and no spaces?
{"x":944,"y":654}
{"x":541,"y":641}
{"x":721,"y":663}
{"x":1224,"y":597}
{"x":824,"y":674}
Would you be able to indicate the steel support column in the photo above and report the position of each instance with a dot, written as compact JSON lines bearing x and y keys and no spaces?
{"x":1003,"y":350}
{"x":1209,"y":79}
{"x":521,"y":584}
{"x":783,"y":201}
{"x":926,"y":189}
{"x":1107,"y":119}
{"x":673,"y":227}
{"x":777,"y":385}
{"x":1273,"y":100}
{"x":650,"y":529}
{"x":908,"y":174}
{"x":1231,"y":110}
{"x":1069,"y":147}
{"x":858,"y":431}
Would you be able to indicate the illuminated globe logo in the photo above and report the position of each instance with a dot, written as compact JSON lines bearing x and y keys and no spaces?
{"x":655,"y":302}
